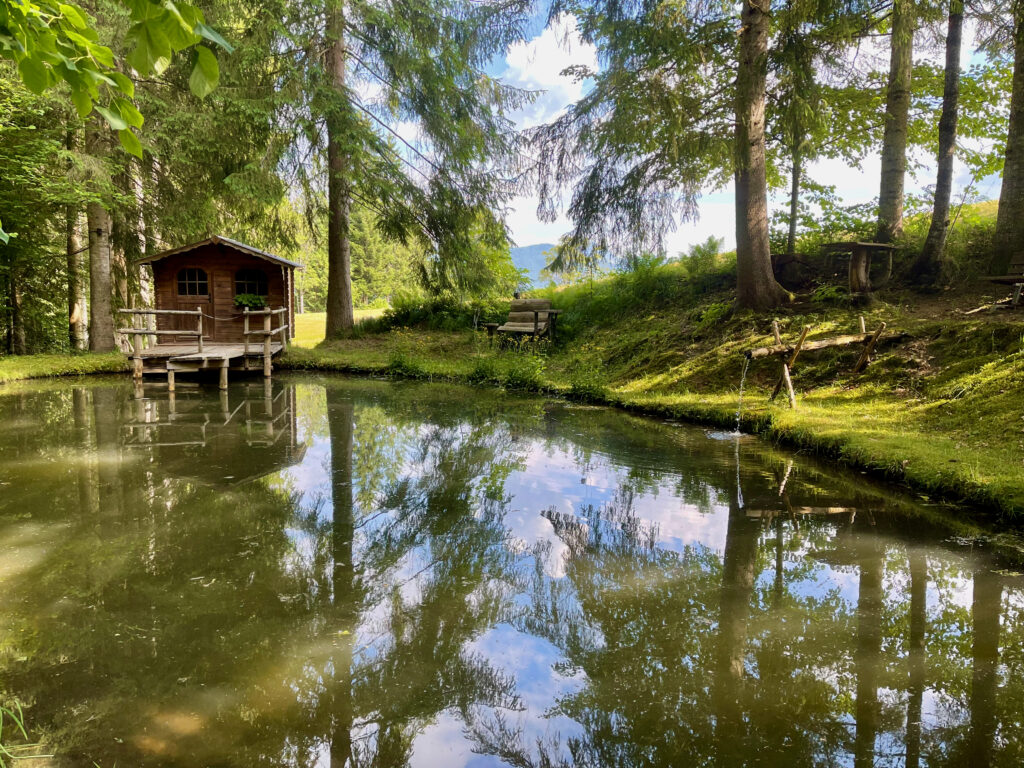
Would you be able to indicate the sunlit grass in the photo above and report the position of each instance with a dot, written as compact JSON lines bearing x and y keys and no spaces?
{"x":310,"y":327}
{"x":17,"y":367}
{"x":941,"y":411}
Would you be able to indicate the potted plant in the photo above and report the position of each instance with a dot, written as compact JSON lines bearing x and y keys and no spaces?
{"x":250,"y":301}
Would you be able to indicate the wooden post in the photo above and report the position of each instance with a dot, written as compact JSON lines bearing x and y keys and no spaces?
{"x":224,"y":374}
{"x":284,"y":329}
{"x":137,"y":357}
{"x":863,"y":328}
{"x":785,"y":377}
{"x":266,"y":344}
{"x":868,"y":349}
{"x":199,"y":311}
{"x":170,"y":380}
{"x":245,"y":336}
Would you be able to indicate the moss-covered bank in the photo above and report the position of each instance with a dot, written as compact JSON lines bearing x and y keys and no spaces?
{"x":941,"y":410}
{"x":18,"y":367}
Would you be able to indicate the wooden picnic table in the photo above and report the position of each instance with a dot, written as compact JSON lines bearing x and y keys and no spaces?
{"x":860,"y":263}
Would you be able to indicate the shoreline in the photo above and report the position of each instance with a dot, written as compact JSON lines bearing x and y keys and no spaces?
{"x":907,"y":468}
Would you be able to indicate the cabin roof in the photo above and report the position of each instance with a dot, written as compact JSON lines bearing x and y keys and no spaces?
{"x":221,"y":240}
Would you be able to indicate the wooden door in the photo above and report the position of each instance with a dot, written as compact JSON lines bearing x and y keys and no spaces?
{"x":194,"y":291}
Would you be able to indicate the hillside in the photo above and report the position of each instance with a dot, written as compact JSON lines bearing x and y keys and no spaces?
{"x":939,"y":409}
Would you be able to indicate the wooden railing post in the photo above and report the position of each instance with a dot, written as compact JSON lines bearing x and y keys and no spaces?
{"x":284,"y":330}
{"x":199,"y":312}
{"x":267,"y":318}
{"x":136,"y":351}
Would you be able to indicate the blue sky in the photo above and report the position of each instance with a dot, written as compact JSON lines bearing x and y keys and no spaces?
{"x":538,"y":64}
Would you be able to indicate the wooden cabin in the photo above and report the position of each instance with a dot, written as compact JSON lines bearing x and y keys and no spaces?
{"x":209,"y":275}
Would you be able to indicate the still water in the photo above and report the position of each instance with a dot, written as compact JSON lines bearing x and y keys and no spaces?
{"x":336,"y":572}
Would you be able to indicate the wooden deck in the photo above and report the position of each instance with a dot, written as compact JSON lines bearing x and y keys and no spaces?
{"x":213,"y":352}
{"x":181,"y":358}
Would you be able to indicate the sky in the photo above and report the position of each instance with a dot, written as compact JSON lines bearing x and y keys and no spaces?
{"x":537,"y":65}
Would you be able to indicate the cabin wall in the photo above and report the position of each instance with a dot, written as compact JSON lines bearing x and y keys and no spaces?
{"x":220,"y":264}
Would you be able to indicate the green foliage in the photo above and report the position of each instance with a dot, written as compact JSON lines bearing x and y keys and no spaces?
{"x":969,"y":240}
{"x":701,"y":257}
{"x":53,"y":42}
{"x":12,"y":714}
{"x":652,"y":285}
{"x":711,"y":315}
{"x":588,"y":379}
{"x":250,"y":301}
{"x":526,"y":370}
{"x":831,"y":295}
{"x":414,"y":310}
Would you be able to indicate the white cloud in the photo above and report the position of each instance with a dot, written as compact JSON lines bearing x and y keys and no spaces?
{"x":537,"y":65}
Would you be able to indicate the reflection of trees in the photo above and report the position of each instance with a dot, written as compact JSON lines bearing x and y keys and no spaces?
{"x":283,"y":630}
{"x":916,"y":654}
{"x":985,"y":610}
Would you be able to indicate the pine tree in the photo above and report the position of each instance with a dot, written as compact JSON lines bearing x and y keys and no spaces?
{"x":926,"y":266}
{"x":1009,"y":232}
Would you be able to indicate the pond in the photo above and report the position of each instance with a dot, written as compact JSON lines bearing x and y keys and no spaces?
{"x":330,"y":572}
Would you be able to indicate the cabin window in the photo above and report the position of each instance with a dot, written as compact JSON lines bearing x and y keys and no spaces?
{"x":192,"y":282}
{"x":250,"y":281}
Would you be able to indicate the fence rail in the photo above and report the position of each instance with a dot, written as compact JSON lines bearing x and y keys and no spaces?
{"x":266,"y":333}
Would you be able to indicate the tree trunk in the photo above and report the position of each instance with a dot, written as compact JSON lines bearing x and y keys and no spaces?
{"x":101,"y":316}
{"x":339,"y":198}
{"x":18,"y":343}
{"x":926,"y":267}
{"x":860,"y":274}
{"x":897,"y":107}
{"x":1009,"y":234}
{"x":756,"y":287}
{"x":794,"y":201}
{"x":75,"y":264}
{"x":76,"y":288}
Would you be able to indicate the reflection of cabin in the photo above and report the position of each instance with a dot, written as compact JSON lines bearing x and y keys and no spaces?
{"x":218,"y":440}
{"x":202,"y":292}
{"x":210,"y":274}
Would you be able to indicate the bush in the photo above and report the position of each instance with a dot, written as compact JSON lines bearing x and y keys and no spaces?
{"x":526,"y":371}
{"x":442,"y":313}
{"x":587,"y":376}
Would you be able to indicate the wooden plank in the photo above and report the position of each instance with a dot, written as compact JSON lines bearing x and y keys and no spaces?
{"x":835,"y":341}
{"x":865,"y":355}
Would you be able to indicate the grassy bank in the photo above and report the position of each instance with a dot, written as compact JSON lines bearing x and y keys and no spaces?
{"x":18,"y":367}
{"x":941,"y":409}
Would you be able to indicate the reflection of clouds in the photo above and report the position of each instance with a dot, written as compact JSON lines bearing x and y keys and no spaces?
{"x":551,"y":479}
{"x":443,"y":744}
{"x":531,"y":661}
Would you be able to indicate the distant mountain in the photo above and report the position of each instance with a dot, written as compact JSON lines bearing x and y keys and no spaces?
{"x":532,"y":259}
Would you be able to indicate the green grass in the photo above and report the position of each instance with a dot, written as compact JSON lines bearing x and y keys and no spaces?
{"x":309,"y":327}
{"x":942,"y":410}
{"x":18,"y":367}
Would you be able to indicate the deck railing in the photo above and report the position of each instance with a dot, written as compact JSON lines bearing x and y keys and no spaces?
{"x":266,"y":332}
{"x":138,"y":333}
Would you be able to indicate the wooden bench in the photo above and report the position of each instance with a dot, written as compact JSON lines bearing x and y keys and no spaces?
{"x":1015,"y":277}
{"x":527,"y":317}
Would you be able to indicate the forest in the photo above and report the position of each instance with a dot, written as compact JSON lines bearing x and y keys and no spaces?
{"x":373,"y":142}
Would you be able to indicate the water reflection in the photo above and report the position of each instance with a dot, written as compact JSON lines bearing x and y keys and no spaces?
{"x":348,"y":573}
